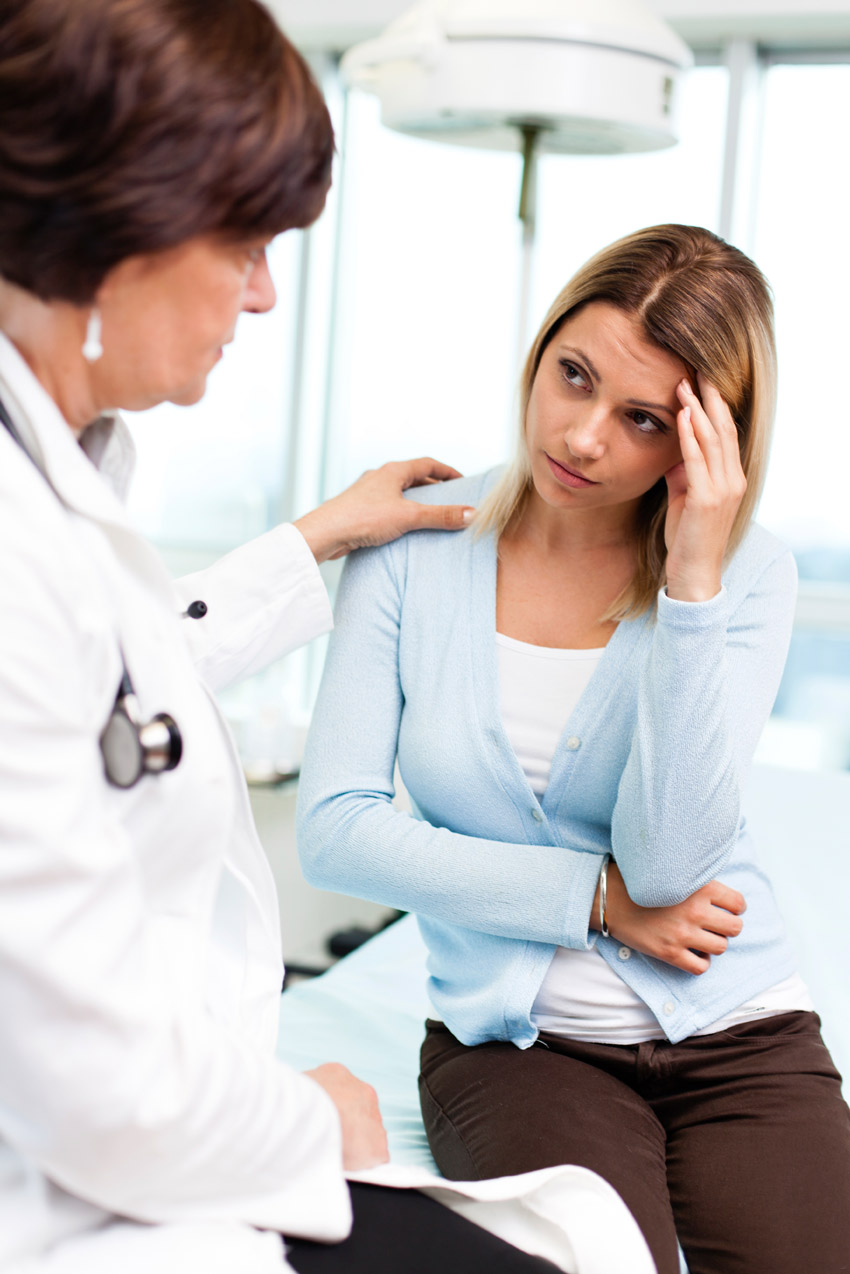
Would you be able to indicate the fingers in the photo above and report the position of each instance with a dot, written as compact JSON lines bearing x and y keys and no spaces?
{"x":717,"y":910}
{"x":417,"y":473}
{"x":687,"y":935}
{"x":677,"y":481}
{"x":441,"y":517}
{"x":699,"y":437}
{"x":690,"y":960}
{"x":708,"y":420}
{"x":695,"y":962}
{"x":712,"y":944}
{"x":726,"y":897}
{"x":722,"y":922}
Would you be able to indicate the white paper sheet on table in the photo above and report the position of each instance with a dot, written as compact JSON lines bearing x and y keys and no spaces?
{"x":568,"y":1215}
{"x":368,"y":1012}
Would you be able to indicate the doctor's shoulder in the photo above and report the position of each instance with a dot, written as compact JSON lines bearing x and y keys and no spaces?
{"x":40,"y":537}
{"x":57,"y":634}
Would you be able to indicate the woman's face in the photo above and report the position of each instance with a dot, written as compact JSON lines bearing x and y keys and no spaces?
{"x":167,"y":316}
{"x":601,"y":420}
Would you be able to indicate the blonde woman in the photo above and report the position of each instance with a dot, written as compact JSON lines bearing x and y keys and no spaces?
{"x":573,"y":691}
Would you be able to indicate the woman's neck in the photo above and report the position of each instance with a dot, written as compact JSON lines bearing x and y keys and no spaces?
{"x":559,"y":575}
{"x":571,"y":531}
{"x":49,"y":337}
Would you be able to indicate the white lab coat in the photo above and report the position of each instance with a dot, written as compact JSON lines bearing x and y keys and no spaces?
{"x":140,"y":959}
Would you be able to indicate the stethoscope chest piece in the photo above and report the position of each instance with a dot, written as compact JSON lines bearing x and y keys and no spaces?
{"x":132,"y":748}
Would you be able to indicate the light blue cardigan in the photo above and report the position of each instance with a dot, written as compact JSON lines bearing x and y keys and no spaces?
{"x":650,"y":767}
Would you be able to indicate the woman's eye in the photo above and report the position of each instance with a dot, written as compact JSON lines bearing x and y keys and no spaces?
{"x":572,"y":374}
{"x":646,"y":424}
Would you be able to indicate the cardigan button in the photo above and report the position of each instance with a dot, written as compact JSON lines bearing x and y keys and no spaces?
{"x":669,"y":1008}
{"x":574,"y":743}
{"x":624,"y":953}
{"x":536,"y":815}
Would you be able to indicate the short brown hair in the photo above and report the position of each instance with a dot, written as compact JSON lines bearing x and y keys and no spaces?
{"x":706,"y":302}
{"x":131,"y":126}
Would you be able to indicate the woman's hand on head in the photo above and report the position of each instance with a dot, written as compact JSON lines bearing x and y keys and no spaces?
{"x":373,"y":510}
{"x":704,"y":493}
{"x":686,"y":935}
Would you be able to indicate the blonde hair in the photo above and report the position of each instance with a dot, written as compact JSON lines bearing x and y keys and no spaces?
{"x":704,"y":301}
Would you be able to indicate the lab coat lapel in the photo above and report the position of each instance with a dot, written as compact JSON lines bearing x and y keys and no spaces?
{"x":78,"y":483}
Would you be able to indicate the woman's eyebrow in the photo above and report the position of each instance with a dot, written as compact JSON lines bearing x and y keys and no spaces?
{"x":579,"y":353}
{"x":635,"y":402}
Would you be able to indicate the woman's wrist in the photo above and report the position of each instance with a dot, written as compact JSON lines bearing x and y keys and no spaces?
{"x":695,"y":590}
{"x":599,"y":912}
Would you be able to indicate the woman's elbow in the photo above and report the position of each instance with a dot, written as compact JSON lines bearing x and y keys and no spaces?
{"x":658,"y":891}
{"x":314,"y":846}
{"x":323,"y":832}
{"x":669,"y":887}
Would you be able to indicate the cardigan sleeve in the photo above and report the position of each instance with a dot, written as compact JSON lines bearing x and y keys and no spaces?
{"x":351,"y":838}
{"x":705,"y":694}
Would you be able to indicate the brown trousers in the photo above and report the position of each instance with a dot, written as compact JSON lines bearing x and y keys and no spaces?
{"x":737,"y":1142}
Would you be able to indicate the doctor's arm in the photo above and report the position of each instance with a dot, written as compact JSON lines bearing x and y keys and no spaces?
{"x":351,"y":838}
{"x":114,"y":1079}
{"x":267,"y":598}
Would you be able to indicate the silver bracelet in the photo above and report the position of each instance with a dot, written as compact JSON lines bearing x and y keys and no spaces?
{"x":603,"y":897}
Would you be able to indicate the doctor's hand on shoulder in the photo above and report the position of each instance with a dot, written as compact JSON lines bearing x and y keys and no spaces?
{"x":364,"y":1139}
{"x":373,"y":509}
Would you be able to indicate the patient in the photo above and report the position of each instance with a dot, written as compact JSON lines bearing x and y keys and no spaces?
{"x":573,"y":690}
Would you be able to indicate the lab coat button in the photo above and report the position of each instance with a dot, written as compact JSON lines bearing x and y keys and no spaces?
{"x":573,"y":743}
{"x":625,"y":953}
{"x":196,"y":610}
{"x":669,"y":1007}
{"x":536,"y":815}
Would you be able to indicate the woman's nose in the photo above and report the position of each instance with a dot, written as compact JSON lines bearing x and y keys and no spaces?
{"x":260,"y":294}
{"x":586,"y":434}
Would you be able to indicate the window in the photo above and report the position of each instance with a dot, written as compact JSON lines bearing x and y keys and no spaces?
{"x":422,"y":360}
{"x":426,"y":354}
{"x":396,"y":334}
{"x":210,"y":476}
{"x":801,"y":243}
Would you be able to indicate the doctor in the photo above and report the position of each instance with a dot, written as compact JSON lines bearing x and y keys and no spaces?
{"x":149,"y":150}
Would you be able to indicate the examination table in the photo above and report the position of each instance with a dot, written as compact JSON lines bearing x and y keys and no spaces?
{"x":368,"y":1011}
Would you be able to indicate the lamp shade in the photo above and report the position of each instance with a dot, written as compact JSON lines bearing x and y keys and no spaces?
{"x":593,"y":76}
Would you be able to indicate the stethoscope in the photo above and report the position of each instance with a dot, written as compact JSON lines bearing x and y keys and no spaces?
{"x":130,"y":747}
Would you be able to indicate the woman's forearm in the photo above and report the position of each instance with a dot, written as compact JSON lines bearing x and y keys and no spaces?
{"x":706,"y":692}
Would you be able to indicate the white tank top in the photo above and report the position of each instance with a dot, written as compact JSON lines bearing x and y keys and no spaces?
{"x":582,"y":997}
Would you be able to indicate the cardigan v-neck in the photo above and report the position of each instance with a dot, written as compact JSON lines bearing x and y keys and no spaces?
{"x":650,"y":767}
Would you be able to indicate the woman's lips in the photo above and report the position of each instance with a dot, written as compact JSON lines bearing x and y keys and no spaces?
{"x":568,"y":477}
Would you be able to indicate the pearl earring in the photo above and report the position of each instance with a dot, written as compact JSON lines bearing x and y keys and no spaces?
{"x":93,"y":345}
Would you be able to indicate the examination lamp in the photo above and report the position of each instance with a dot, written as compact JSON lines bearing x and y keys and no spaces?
{"x":578,"y":77}
{"x":590,"y":77}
